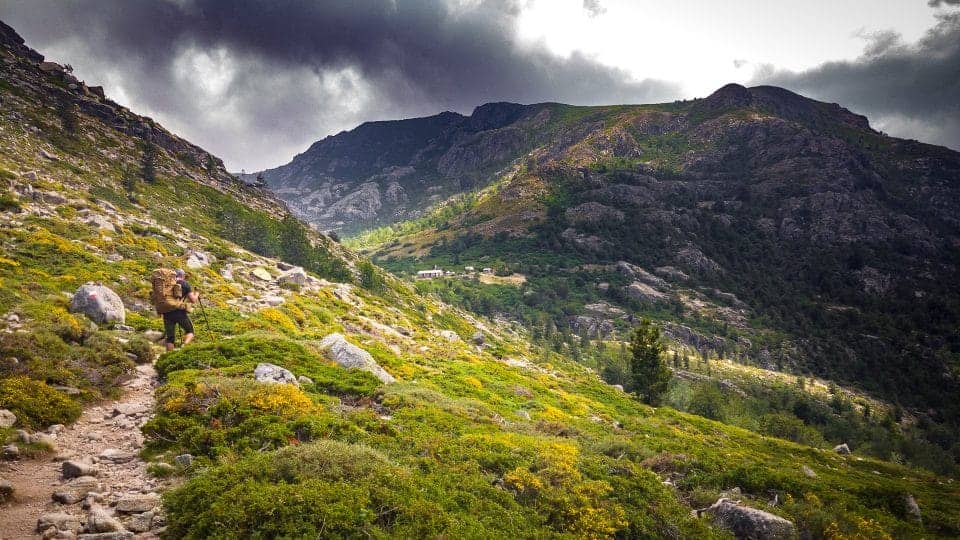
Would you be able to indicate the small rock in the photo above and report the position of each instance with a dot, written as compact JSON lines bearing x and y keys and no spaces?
{"x":75,"y":491}
{"x":523,"y":414}
{"x":74,"y":468}
{"x":7,"y":418}
{"x":56,"y":429}
{"x":124,"y":328}
{"x":6,"y":490}
{"x":99,"y":521}
{"x":184,"y":460}
{"x":153,"y":335}
{"x":304,"y":380}
{"x":449,"y":335}
{"x":60,"y":521}
{"x":119,"y":535}
{"x":44,"y":439}
{"x":273,"y":300}
{"x":135,"y":504}
{"x":842,"y":449}
{"x":140,"y":523}
{"x":618,"y":387}
{"x":48,"y":155}
{"x":226,"y":274}
{"x":29,"y":175}
{"x":913,"y":509}
{"x":23,"y":436}
{"x":808,"y":472}
{"x":117,"y":456}
{"x":478,"y":338}
{"x":11,"y":451}
{"x":271,"y":373}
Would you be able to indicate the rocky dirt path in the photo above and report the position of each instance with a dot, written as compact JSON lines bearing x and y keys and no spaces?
{"x":94,"y":486}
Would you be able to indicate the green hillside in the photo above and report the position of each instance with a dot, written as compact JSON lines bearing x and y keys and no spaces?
{"x":485,"y":433}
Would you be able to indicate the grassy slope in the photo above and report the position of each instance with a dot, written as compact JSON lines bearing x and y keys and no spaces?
{"x":463,"y":445}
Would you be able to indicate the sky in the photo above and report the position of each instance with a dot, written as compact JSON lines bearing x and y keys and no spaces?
{"x":258,"y":81}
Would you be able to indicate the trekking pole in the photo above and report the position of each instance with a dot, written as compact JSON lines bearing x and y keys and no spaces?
{"x":203,"y":313}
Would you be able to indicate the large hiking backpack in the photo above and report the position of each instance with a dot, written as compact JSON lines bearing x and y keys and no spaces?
{"x":167,"y":294}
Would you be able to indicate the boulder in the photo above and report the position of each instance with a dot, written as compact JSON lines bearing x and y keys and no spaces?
{"x":478,"y":338}
{"x":75,"y":469}
{"x":7,"y":418}
{"x":748,"y":523}
{"x":183,"y":460}
{"x":101,"y":223}
{"x":294,"y":276}
{"x":261,"y":274}
{"x":198,"y":259}
{"x":99,"y":303}
{"x":842,"y":449}
{"x":270,"y":373}
{"x":347,"y":355}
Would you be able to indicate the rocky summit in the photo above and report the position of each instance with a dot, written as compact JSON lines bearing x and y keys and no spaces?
{"x":324,"y":396}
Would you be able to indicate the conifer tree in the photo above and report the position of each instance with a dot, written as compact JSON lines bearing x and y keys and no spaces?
{"x":650,"y":373}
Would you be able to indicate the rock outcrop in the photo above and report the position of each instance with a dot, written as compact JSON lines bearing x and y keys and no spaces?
{"x":347,"y":355}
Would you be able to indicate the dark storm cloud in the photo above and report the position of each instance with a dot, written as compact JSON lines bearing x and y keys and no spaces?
{"x":906,"y":90}
{"x":258,"y":80}
{"x":938,"y":3}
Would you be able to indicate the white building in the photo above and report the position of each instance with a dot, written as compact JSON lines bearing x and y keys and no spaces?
{"x":430,"y":274}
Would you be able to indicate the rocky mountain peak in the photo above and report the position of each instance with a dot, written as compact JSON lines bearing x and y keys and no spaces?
{"x":495,"y":115}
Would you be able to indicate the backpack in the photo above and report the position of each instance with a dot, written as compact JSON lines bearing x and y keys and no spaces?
{"x":166,"y":294}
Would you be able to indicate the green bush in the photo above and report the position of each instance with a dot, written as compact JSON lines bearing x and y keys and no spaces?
{"x":141,"y":348}
{"x":36,"y":404}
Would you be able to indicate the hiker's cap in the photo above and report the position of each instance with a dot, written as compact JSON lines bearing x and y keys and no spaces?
{"x":180,"y":273}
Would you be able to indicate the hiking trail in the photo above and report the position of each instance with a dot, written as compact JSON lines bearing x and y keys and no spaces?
{"x":110,"y":495}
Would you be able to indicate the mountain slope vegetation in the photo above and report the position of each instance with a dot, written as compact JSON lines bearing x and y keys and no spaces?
{"x":756,"y":224}
{"x":483,"y":433}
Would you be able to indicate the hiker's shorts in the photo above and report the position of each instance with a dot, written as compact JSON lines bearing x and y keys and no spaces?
{"x":170,"y":321}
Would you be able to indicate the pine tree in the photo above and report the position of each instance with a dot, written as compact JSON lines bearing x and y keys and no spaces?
{"x":650,"y":373}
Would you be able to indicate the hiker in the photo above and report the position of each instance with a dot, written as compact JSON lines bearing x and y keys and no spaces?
{"x":171,"y":297}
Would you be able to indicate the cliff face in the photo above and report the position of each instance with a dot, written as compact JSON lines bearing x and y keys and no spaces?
{"x":384,"y":172}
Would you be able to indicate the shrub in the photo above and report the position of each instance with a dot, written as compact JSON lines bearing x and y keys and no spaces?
{"x":141,"y":347}
{"x":36,"y":404}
